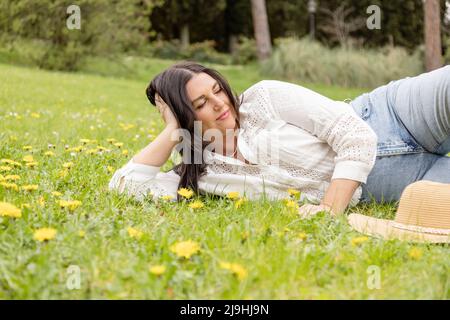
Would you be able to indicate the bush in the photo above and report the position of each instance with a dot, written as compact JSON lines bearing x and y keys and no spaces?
{"x":201,"y":51}
{"x":245,"y":51}
{"x":310,"y":61}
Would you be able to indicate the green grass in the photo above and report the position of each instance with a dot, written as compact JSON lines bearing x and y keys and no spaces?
{"x":261,"y":236}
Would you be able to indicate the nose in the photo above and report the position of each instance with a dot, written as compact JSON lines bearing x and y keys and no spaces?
{"x":217,"y":103}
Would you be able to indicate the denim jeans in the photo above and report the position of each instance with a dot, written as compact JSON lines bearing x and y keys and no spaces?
{"x":411,"y":118}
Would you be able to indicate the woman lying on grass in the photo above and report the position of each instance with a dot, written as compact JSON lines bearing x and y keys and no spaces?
{"x":278,"y":136}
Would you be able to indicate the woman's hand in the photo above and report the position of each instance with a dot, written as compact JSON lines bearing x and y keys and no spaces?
{"x":309,"y":210}
{"x":166,"y":113}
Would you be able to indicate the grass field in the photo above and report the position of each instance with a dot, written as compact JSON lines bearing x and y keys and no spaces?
{"x":261,"y":250}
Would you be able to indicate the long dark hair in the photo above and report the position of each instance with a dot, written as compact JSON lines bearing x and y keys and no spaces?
{"x":171,"y":86}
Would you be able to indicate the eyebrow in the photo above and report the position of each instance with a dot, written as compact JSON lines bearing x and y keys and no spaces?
{"x":203,"y":96}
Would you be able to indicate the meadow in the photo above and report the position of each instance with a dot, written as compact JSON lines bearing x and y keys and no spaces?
{"x":62,"y":137}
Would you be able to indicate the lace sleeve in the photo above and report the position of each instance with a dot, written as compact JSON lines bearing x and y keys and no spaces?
{"x":140,"y":180}
{"x":334,"y":122}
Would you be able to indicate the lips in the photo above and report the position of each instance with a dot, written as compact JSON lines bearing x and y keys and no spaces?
{"x":223,"y":115}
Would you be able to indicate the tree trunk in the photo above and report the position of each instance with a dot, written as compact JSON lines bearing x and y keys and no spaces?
{"x":261,"y":28}
{"x":433,"y":49}
{"x":184,"y":36}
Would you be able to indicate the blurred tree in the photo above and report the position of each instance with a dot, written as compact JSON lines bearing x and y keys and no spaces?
{"x":106,"y":26}
{"x":432,"y":24}
{"x":261,"y":29}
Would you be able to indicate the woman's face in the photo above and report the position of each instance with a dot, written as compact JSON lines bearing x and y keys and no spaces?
{"x":210,"y":103}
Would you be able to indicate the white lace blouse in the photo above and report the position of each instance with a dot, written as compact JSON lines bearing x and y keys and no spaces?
{"x":295,"y":138}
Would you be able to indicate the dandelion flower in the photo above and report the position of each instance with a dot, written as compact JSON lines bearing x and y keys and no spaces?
{"x":49,"y":153}
{"x":125,"y":152}
{"x":44,"y":234}
{"x":157,"y":270}
{"x":85,"y":141}
{"x":233,"y":195}
{"x":81,"y":233}
{"x":27,"y":148}
{"x":415,"y":253}
{"x":13,"y":177}
{"x":110,"y":169}
{"x":11,"y":162}
{"x":134,"y":233}
{"x":28,"y":158}
{"x":118,"y":144}
{"x":166,"y":197}
{"x":41,"y":201}
{"x":69,"y":204}
{"x":240,"y":202}
{"x":186,"y":193}
{"x":197,"y":204}
{"x":63,"y":173}
{"x":68,"y":165}
{"x":5,"y":168}
{"x":32,"y":164}
{"x":9,"y":185}
{"x":293,"y":192}
{"x":56,"y":194}
{"x":25,"y":205}
{"x":291,"y":204}
{"x":185,"y":248}
{"x":111,"y":140}
{"x":29,"y":187}
{"x":239,"y":271}
{"x":9,"y":210}
{"x":35,"y":115}
{"x":302,"y":236}
{"x":359,"y":240}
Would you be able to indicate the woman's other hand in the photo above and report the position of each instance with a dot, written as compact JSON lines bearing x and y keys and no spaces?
{"x":166,"y":113}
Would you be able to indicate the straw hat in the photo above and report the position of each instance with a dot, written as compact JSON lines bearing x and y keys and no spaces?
{"x":423,"y":215}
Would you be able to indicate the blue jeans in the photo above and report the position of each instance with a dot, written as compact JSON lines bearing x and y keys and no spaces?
{"x":411,"y":118}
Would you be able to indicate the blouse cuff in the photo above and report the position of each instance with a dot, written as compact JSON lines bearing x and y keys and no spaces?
{"x":142,"y":168}
{"x":352,"y":170}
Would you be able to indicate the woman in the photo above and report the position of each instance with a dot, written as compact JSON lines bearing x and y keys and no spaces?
{"x":278,"y":135}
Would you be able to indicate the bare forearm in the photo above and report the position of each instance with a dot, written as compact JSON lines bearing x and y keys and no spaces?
{"x":159,"y":150}
{"x":339,"y":194}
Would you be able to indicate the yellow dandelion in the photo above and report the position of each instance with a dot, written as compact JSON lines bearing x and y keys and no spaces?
{"x":92,"y":151}
{"x":69,"y":204}
{"x":166,"y":197}
{"x":13,"y":177}
{"x":240,"y":202}
{"x":85,"y":141}
{"x":29,"y":187}
{"x":233,"y":195}
{"x":111,"y":140}
{"x":293,"y":192}
{"x":110,"y":169}
{"x":56,"y":194}
{"x":35,"y":115}
{"x":125,"y":152}
{"x":157,"y":270}
{"x":359,"y":240}
{"x":25,"y":206}
{"x":41,"y":201}
{"x":81,"y":233}
{"x":9,"y":210}
{"x":186,"y":193}
{"x":185,"y":248}
{"x":197,"y":204}
{"x":32,"y":164}
{"x":2,"y":178}
{"x":28,"y":158}
{"x":415,"y":253}
{"x":44,"y":234}
{"x":63,"y":173}
{"x":291,"y":204}
{"x":49,"y":154}
{"x":134,"y":233}
{"x":27,"y":148}
{"x":118,"y":144}
{"x":5,"y":168}
{"x":11,"y":162}
{"x":67,"y":165}
{"x":9,"y":185}
{"x":239,"y":271}
{"x":302,"y":236}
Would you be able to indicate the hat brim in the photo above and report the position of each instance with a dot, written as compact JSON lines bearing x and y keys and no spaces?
{"x":384,"y":229}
